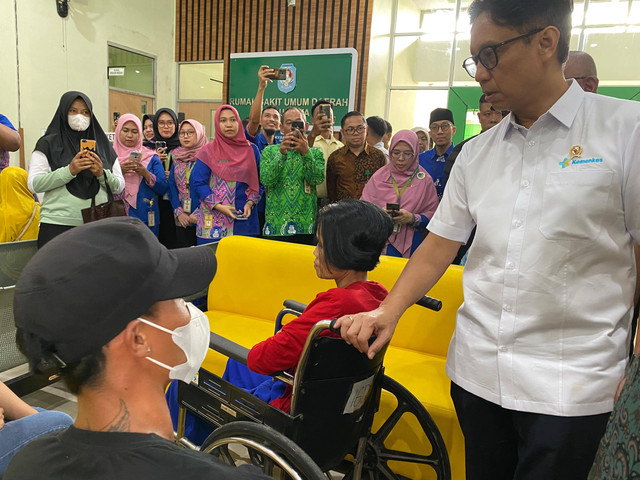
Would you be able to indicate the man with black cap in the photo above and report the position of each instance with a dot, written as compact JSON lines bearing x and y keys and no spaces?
{"x":441,"y":130}
{"x":102,"y":303}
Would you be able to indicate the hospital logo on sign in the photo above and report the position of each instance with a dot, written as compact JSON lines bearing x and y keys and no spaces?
{"x":288,"y":84}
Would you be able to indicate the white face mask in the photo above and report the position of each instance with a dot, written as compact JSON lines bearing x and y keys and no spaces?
{"x":193,"y":339}
{"x":78,"y":122}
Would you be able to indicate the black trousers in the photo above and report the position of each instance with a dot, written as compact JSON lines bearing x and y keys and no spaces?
{"x":503,"y":444}
{"x":49,"y":231}
{"x":185,"y":237}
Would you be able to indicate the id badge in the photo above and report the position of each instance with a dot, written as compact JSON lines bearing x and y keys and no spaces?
{"x":307,"y":188}
{"x":208,"y":221}
{"x":151,"y":219}
{"x":396,"y":228}
{"x":186,"y":205}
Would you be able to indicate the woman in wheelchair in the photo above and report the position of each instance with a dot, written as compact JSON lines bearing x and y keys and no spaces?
{"x":351,"y":236}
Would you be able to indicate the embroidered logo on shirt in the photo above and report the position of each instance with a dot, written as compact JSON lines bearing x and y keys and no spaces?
{"x":288,"y":84}
{"x":574,"y":158}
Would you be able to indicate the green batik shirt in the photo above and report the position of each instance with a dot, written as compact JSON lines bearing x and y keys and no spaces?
{"x":290,"y":184}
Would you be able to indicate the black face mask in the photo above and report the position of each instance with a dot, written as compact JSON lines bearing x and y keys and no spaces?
{"x":268,"y":132}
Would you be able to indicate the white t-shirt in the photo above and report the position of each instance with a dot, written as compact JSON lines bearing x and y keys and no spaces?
{"x":549,"y":283}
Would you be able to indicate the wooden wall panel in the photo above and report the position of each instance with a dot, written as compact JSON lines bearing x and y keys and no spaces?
{"x":213,"y":29}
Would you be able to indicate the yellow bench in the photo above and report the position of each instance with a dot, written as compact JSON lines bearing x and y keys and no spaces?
{"x":255,"y":276}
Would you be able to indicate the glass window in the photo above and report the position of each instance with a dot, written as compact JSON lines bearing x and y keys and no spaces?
{"x":421,"y":61}
{"x":138,"y":71}
{"x":634,"y":13}
{"x":200,"y":81}
{"x":408,"y":17}
{"x":607,"y":12}
{"x":608,"y":46}
{"x":440,"y":18}
{"x":411,"y":108}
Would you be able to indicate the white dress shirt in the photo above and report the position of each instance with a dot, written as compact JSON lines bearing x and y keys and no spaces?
{"x":380,"y":146}
{"x":549,"y":283}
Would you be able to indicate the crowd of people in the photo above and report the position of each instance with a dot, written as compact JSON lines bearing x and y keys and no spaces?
{"x":540,"y":207}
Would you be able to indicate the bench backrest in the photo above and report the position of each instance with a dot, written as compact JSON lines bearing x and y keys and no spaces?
{"x":255,"y":275}
{"x":13,"y":258}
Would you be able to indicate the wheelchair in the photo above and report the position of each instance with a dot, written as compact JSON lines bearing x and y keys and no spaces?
{"x":335,"y":428}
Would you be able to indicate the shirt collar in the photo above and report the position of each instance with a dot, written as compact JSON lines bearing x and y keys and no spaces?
{"x":564,"y":110}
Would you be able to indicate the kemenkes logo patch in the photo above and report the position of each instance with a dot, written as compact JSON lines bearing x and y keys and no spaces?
{"x":578,"y":161}
{"x":574,"y":158}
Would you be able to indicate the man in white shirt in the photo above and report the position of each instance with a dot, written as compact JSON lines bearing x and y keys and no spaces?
{"x":321,"y":136}
{"x":541,"y":340}
{"x":376,"y":129}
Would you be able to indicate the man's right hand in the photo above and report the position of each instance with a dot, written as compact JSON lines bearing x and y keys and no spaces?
{"x":357,"y":329}
{"x":322,"y":125}
{"x":262,"y":76}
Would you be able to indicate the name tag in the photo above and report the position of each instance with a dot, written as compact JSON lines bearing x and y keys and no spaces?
{"x":307,"y":188}
{"x":186,"y":205}
{"x":151,"y":219}
{"x":208,"y":221}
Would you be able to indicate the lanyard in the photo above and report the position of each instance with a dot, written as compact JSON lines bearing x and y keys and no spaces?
{"x":188,"y":167}
{"x":395,"y":185}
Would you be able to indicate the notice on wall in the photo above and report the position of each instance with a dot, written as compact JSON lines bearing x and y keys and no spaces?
{"x":310,"y":75}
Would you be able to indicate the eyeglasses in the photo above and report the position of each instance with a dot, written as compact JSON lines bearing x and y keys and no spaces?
{"x":398,"y":154}
{"x":187,"y":133}
{"x":488,"y":56}
{"x":354,"y":130}
{"x":445,"y":127}
{"x":166,"y":124}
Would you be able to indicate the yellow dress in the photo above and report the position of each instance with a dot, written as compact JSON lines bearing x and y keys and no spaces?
{"x":19,"y":212}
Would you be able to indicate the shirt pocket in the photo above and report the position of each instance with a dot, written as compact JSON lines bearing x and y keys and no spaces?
{"x":574,"y":203}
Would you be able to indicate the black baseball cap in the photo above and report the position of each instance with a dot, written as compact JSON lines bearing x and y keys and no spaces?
{"x":82,"y":288}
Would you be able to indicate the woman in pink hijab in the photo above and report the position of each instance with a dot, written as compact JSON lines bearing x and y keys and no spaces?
{"x":184,"y":199}
{"x":406,"y":191}
{"x":226,"y":179}
{"x":144,"y":177}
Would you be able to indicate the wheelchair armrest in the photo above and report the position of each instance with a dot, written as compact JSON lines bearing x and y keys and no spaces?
{"x":228,"y":348}
{"x":285,"y":377}
{"x":430,"y":303}
{"x":293,"y":305}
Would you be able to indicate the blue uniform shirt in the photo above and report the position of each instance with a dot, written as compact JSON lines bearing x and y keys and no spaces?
{"x":434,"y":165}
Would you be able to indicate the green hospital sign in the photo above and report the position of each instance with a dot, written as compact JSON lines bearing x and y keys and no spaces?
{"x":311,"y":75}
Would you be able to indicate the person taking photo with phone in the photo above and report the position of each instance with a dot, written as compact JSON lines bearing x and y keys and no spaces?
{"x":407,"y":193}
{"x":321,"y":136}
{"x":165,"y":128}
{"x":225,"y":177}
{"x":68,"y":176}
{"x":184,"y":199}
{"x":290,"y":172}
{"x":144,"y":175}
{"x":267,"y":118}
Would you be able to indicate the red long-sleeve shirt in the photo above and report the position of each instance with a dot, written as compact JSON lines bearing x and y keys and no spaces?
{"x":283,"y":350}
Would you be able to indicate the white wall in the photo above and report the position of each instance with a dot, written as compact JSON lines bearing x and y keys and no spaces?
{"x":57,"y":55}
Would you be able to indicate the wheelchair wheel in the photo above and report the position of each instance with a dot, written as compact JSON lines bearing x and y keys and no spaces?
{"x":396,"y":449}
{"x":239,"y":443}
